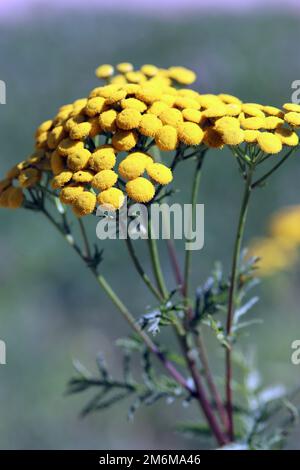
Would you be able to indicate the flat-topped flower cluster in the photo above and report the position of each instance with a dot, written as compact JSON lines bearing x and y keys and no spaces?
{"x":99,"y":148}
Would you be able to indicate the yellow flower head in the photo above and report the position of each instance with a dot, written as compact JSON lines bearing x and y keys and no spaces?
{"x":57,"y":163}
{"x":68,"y":146}
{"x":292,"y":118}
{"x":148,"y":94}
{"x":55,"y":136}
{"x":135,"y":77}
{"x":166,"y":138}
{"x":149,"y":70}
{"x":190,"y":133}
{"x":252,"y":123}
{"x":171,"y":117}
{"x":132,"y":166}
{"x":95,"y":106}
{"x":273,"y":256}
{"x":272,"y":122}
{"x":293,"y":107}
{"x":285,"y":225}
{"x":160,"y":173}
{"x":62,"y":179}
{"x":133,"y":103}
{"x":105,"y":179}
{"x":128,"y":119}
{"x":229,"y":99}
{"x":182,"y":75}
{"x":140,"y":190}
{"x":124,"y":140}
{"x":103,"y":158}
{"x":111,"y":199}
{"x":192,"y":115}
{"x":124,"y":67}
{"x":269,"y":143}
{"x":78,"y":160}
{"x":84,"y":204}
{"x":104,"y":71}
{"x":44,"y":127}
{"x":149,"y":125}
{"x":82,"y":176}
{"x":69,"y":194}
{"x":215,"y":111}
{"x":107,"y":120}
{"x":250,"y":136}
{"x":287,"y":136}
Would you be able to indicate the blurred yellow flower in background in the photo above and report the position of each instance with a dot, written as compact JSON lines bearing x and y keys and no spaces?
{"x":279,"y":250}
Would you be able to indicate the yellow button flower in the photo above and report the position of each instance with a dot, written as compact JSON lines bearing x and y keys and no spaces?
{"x":103,"y":158}
{"x":190,"y":133}
{"x":149,"y":125}
{"x":55,"y":136}
{"x":171,"y":117}
{"x":132,"y":166}
{"x":69,"y":194}
{"x":95,"y":106}
{"x":128,"y":119}
{"x":105,"y":179}
{"x":149,"y":70}
{"x":250,"y":136}
{"x":229,"y":99}
{"x":184,"y":102}
{"x":252,"y":123}
{"x":166,"y":138}
{"x":269,"y":143}
{"x":292,"y":107}
{"x":192,"y":115}
{"x":271,"y":122}
{"x":44,"y":127}
{"x":160,"y":173}
{"x":124,"y":67}
{"x":82,"y":176}
{"x":61,"y":180}
{"x":182,"y":75}
{"x":287,"y":136}
{"x":104,"y":71}
{"x":133,"y":103}
{"x":78,"y":160}
{"x":217,"y":110}
{"x":84,"y":204}
{"x":57,"y":163}
{"x":157,"y":107}
{"x":67,"y":147}
{"x":148,"y":94}
{"x":140,"y":190}
{"x":111,"y":199}
{"x":292,"y":118}
{"x":124,"y":140}
{"x":107,"y":120}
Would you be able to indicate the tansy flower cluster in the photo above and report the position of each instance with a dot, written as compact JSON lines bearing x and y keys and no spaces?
{"x":279,"y":249}
{"x":98,"y":149}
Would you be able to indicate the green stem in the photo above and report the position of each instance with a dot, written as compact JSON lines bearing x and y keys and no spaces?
{"x":156,"y":262}
{"x":141,"y":271}
{"x":121,"y":307}
{"x":232,"y":294}
{"x":275,"y":167}
{"x":188,"y":253}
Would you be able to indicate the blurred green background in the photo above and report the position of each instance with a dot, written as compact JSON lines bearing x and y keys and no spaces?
{"x":51,"y":310}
